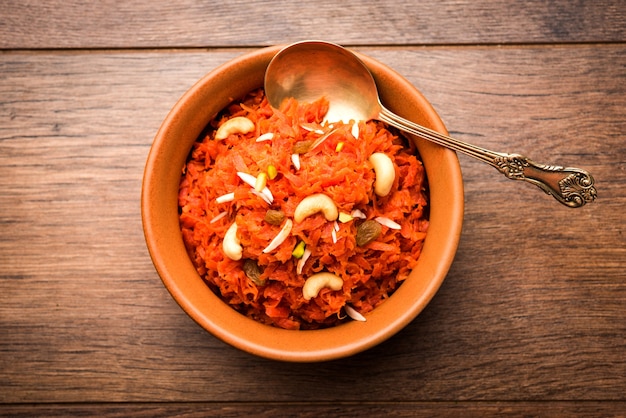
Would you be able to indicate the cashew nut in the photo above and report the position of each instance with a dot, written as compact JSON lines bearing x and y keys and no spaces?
{"x":236,"y":125}
{"x":385,"y":173}
{"x":318,"y":281}
{"x":231,"y":244}
{"x":316,"y":203}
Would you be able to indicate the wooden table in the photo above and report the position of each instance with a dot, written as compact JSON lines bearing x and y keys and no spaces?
{"x":531,"y":319}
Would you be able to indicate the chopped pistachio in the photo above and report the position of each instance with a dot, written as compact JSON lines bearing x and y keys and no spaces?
{"x":345,"y":217}
{"x":298,"y":252}
{"x":272,"y":172}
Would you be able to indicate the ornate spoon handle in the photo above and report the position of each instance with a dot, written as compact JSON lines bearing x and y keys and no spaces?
{"x":573,"y":187}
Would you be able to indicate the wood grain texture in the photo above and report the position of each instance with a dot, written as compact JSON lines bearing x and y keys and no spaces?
{"x":531,"y":319}
{"x":343,"y":409}
{"x":532,"y":309}
{"x":188,"y":23}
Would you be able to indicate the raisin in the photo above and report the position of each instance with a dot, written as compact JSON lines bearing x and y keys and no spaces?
{"x":253,"y":272}
{"x":367,"y":232}
{"x":301,"y":147}
{"x":274,"y":217}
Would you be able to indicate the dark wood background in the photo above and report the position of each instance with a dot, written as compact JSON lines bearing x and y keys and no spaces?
{"x":531,"y":319}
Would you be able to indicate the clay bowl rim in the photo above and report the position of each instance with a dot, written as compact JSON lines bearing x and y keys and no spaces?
{"x":159,"y":210}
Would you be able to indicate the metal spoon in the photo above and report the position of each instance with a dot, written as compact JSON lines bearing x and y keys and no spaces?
{"x":310,"y":70}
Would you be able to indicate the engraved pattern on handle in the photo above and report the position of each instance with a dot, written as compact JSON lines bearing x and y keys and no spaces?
{"x":573,"y":187}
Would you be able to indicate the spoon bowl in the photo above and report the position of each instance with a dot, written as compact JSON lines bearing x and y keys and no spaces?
{"x":310,"y":70}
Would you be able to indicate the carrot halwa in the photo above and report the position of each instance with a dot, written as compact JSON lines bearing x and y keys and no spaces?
{"x":272,"y":201}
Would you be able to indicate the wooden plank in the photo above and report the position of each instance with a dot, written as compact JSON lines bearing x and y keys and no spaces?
{"x":149,"y":24}
{"x":344,"y":409}
{"x":533,"y":308}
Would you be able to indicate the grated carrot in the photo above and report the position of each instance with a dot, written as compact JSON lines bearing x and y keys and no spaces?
{"x":370,"y":273}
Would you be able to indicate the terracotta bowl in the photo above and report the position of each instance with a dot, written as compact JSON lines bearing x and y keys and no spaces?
{"x":159,"y":207}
